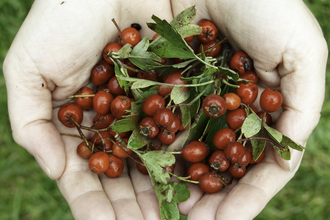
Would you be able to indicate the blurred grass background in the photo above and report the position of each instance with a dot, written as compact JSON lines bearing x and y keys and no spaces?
{"x":27,"y":193}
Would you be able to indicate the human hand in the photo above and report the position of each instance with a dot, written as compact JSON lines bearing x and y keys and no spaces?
{"x":289,"y":52}
{"x":50,"y":59}
{"x":60,"y":55}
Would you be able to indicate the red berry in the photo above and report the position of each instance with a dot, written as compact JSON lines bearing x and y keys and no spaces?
{"x":246,"y":158}
{"x":197,"y":170}
{"x":209,"y":31}
{"x":206,"y":46}
{"x":114,"y":86}
{"x":233,"y":101}
{"x":241,"y":62}
{"x":248,"y":92}
{"x":250,"y":75}
{"x":235,"y":118}
{"x":211,"y":183}
{"x":103,"y":121}
{"x":148,"y":76}
{"x":214,"y":106}
{"x":234,"y":151}
{"x":131,"y":36}
{"x":99,"y":162}
{"x":237,"y":171}
{"x":175,"y":125}
{"x":163,"y":117}
{"x":116,"y":167}
{"x":70,"y":111}
{"x":174,"y":79}
{"x":148,"y":127}
{"x":121,"y":151}
{"x":223,"y":137}
{"x":195,"y":151}
{"x":270,"y":100}
{"x":152,"y":103}
{"x":101,"y":73}
{"x":84,"y":151}
{"x":219,"y":161}
{"x":267,"y":117}
{"x":101,"y":102}
{"x":166,"y":137}
{"x":86,"y":103}
{"x":119,"y":106}
{"x":115,"y":47}
{"x":106,"y":136}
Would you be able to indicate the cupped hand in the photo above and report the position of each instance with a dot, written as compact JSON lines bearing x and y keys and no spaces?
{"x":59,"y":42}
{"x":289,"y":53}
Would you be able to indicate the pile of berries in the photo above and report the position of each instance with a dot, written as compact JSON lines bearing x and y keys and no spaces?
{"x":161,"y":120}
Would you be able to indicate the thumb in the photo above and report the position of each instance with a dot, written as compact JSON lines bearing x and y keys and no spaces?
{"x":30,"y":112}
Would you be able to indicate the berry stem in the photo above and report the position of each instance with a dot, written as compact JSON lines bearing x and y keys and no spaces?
{"x":183,"y":178}
{"x":80,"y":96}
{"x":118,"y":28}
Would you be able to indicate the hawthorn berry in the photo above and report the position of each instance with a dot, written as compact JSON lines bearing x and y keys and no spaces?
{"x":270,"y":100}
{"x":234,"y":151}
{"x":111,"y":47}
{"x":116,"y":167}
{"x":69,"y":112}
{"x":84,"y":151}
{"x":86,"y":103}
{"x":99,"y":162}
{"x":148,"y":127}
{"x":101,"y":102}
{"x":247,"y":92}
{"x":214,"y":106}
{"x":195,"y":151}
{"x":211,"y":183}
{"x":119,"y":106}
{"x":209,"y":31}
{"x":233,"y":101}
{"x":241,"y":62}
{"x":197,"y":170}
{"x":152,"y":103}
{"x":235,"y":118}
{"x":101,"y":73}
{"x":237,"y":171}
{"x":222,"y":137}
{"x":163,"y":117}
{"x":131,"y":35}
{"x":219,"y":161}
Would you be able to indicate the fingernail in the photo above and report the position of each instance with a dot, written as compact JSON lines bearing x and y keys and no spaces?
{"x":296,"y":157}
{"x":43,"y":165}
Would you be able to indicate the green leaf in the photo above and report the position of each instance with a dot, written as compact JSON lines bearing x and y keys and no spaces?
{"x":258,"y":146}
{"x":124,"y":52}
{"x":123,"y":125}
{"x":286,"y":141}
{"x":169,"y":211}
{"x":273,"y":133}
{"x":285,"y":154}
{"x":185,"y":17}
{"x":198,"y":128}
{"x":143,"y":83}
{"x":182,"y":192}
{"x":142,"y":58}
{"x":170,"y":44}
{"x":177,"y":96}
{"x":155,"y":161}
{"x":136,"y":140}
{"x":251,"y":125}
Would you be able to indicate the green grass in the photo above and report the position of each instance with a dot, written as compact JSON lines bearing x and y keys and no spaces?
{"x":26,"y":193}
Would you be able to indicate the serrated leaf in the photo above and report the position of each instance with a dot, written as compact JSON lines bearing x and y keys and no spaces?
{"x":177,"y":96}
{"x":171,"y":44}
{"x":142,"y":58}
{"x":124,"y":52}
{"x":286,"y":141}
{"x":124,"y":125}
{"x":143,"y":83}
{"x":182,"y":192}
{"x":155,"y":161}
{"x":285,"y":154}
{"x":169,"y":211}
{"x":251,"y":125}
{"x":136,"y":141}
{"x":273,"y":133}
{"x":185,"y":17}
{"x":258,"y":146}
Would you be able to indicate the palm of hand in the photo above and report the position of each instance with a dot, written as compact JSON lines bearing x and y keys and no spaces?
{"x":57,"y":49}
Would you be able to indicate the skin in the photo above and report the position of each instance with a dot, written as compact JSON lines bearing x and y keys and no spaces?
{"x":57,"y":46}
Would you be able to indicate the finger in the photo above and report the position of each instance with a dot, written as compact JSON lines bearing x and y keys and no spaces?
{"x":81,"y":188}
{"x":254,"y":190}
{"x":145,"y":194}
{"x":206,"y":207}
{"x":122,"y":196}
